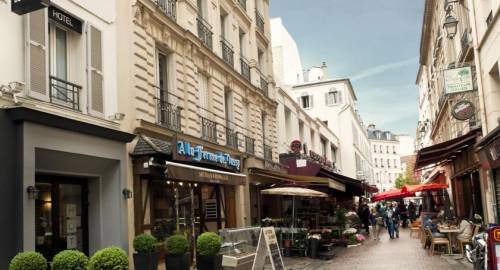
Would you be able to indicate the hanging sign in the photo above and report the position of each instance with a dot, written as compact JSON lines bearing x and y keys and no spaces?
{"x":65,"y":19}
{"x":458,"y":80}
{"x":21,"y":7}
{"x":268,"y":246}
{"x":463,"y":110}
{"x":296,"y":146}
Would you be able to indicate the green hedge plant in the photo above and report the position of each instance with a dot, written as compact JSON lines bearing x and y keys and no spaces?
{"x":176,"y":245}
{"x":208,"y":244}
{"x":145,"y":243}
{"x":111,"y":258}
{"x":28,"y":261}
{"x":70,"y":260}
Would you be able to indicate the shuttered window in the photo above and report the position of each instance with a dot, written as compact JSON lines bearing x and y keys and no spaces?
{"x":96,"y":95}
{"x":37,"y":52}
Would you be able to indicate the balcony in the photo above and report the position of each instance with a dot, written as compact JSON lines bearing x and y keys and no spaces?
{"x":227,"y":52}
{"x":263,"y":85}
{"x":204,"y":32}
{"x":168,"y":7}
{"x":208,"y":130}
{"x":259,"y":21}
{"x":250,"y":145}
{"x":169,"y":115}
{"x":268,"y":152}
{"x":231,"y":138}
{"x":245,"y":68}
{"x":64,"y":93}
{"x":243,"y":4}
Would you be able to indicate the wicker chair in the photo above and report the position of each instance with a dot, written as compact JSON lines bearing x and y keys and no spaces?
{"x":462,"y":242}
{"x":415,"y":229}
{"x":436,"y":241}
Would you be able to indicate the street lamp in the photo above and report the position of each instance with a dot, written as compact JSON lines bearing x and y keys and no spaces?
{"x":450,"y":25}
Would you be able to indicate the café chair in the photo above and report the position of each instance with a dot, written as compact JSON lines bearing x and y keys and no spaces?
{"x":462,"y":242}
{"x":415,"y":229}
{"x":437,"y":241}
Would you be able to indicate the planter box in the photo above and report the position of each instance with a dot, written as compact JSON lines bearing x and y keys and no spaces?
{"x":209,"y":262}
{"x":180,"y":262}
{"x":146,"y":261}
{"x":355,"y":245}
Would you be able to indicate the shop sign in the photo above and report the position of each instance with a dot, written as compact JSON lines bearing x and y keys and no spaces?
{"x":187,"y":152}
{"x":268,"y":247}
{"x":296,"y":146}
{"x":463,"y":110}
{"x":320,"y":159}
{"x":336,"y":185}
{"x":21,"y":7}
{"x":65,"y":19}
{"x":496,"y":234}
{"x":495,"y":151}
{"x":458,"y":80}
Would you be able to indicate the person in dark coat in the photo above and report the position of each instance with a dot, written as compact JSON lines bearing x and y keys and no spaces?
{"x":412,"y":211}
{"x":365,"y":218}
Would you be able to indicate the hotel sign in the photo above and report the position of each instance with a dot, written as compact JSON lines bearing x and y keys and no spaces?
{"x":21,"y":7}
{"x":197,"y":153}
{"x":458,"y":80}
{"x":65,"y":19}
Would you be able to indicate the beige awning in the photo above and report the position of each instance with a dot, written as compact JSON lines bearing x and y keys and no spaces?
{"x":190,"y":173}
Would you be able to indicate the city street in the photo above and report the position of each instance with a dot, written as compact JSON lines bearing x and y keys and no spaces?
{"x":402,"y":253}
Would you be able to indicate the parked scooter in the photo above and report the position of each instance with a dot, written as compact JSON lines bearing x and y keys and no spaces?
{"x":477,"y":251}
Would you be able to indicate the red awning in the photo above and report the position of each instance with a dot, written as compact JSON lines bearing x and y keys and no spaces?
{"x":391,"y":194}
{"x":445,"y":150}
{"x":424,"y":187}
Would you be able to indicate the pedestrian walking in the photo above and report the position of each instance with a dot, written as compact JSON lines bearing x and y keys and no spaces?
{"x":412,"y":209}
{"x":377,"y":222}
{"x":403,"y":213}
{"x":392,"y":217}
{"x":365,"y":218}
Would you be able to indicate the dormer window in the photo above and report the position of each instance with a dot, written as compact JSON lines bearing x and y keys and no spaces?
{"x":333,"y":97}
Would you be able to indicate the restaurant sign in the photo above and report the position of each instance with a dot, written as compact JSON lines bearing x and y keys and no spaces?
{"x":21,"y":7}
{"x":296,"y":146}
{"x":458,"y":80}
{"x":188,"y":152}
{"x":463,"y":110}
{"x":320,"y":159}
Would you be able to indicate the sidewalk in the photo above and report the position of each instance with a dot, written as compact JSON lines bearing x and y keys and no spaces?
{"x":402,"y":253}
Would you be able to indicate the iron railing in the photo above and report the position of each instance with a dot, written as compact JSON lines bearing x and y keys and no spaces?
{"x":245,"y":68}
{"x":227,"y":52}
{"x":250,"y":145}
{"x":243,"y":4}
{"x":204,"y":32}
{"x":231,"y":138}
{"x":168,"y":7}
{"x":64,"y":93}
{"x":259,"y":21}
{"x":169,"y":115}
{"x":268,"y":152}
{"x":263,"y":85}
{"x":208,"y":130}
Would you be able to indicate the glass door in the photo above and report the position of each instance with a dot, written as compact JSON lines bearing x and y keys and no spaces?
{"x":61,"y":216}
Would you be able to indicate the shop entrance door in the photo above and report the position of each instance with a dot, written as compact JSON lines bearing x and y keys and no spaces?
{"x":61,"y":215}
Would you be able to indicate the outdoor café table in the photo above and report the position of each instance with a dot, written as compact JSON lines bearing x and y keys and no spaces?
{"x":449,"y":232}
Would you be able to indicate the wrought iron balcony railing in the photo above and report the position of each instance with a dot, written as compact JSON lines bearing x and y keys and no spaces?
{"x":231,"y":138}
{"x":208,"y":130}
{"x":64,"y":93}
{"x":250,"y":145}
{"x":227,"y":52}
{"x":169,"y":115}
{"x":245,"y":68}
{"x":168,"y":7}
{"x":268,"y":152}
{"x":263,"y":85}
{"x":204,"y":32}
{"x":243,"y":4}
{"x":259,"y":21}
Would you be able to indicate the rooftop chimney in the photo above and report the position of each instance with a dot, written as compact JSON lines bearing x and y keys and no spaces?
{"x":323,"y":68}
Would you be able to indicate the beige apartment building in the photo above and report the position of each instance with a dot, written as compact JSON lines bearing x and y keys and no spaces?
{"x":197,"y":90}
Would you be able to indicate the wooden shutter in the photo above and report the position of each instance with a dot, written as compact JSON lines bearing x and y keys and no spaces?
{"x":94,"y":71}
{"x":37,"y":58}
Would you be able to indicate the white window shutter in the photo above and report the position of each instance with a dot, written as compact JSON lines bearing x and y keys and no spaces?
{"x":94,"y":71}
{"x":327,"y":101}
{"x":36,"y":55}
{"x":299,"y":102}
{"x":311,"y":103}
{"x":340,"y":96}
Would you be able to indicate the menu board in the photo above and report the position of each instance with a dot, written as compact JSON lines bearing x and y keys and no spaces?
{"x":268,"y":247}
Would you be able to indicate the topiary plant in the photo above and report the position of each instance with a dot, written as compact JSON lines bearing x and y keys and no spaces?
{"x":145,"y":243}
{"x":111,"y":258}
{"x":176,"y":245}
{"x":70,"y":260}
{"x":208,"y":244}
{"x":28,"y":261}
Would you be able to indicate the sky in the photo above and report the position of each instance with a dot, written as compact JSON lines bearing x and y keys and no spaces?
{"x":375,"y":43}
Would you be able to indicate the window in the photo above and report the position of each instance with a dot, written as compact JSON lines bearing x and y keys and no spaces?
{"x":380,"y":147}
{"x":59,"y":52}
{"x":306,"y":102}
{"x":203,"y":93}
{"x":394,"y":149}
{"x":242,"y":42}
{"x":323,"y":146}
{"x":263,"y":125}
{"x":228,"y":102}
{"x":388,"y":163}
{"x":334,"y":154}
{"x":301,"y":131}
{"x":333,"y":97}
{"x":387,"y":149}
{"x":260,"y":55}
{"x":223,"y":23}
{"x":163,"y":80}
{"x":376,"y":162}
{"x":395,"y":163}
{"x":201,"y":4}
{"x":313,"y":139}
{"x":374,"y":149}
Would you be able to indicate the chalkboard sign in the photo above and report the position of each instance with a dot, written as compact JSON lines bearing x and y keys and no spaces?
{"x":268,"y":246}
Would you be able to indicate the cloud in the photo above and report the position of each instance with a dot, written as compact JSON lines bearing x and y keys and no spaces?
{"x":382,"y":68}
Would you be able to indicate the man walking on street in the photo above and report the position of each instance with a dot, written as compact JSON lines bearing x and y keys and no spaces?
{"x":392,"y":220}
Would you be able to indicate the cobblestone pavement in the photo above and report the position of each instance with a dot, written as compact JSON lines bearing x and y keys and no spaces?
{"x":388,"y":254}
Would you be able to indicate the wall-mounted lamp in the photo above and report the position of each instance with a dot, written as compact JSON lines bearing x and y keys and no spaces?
{"x":127,"y":193}
{"x":32,"y":192}
{"x":450,"y":25}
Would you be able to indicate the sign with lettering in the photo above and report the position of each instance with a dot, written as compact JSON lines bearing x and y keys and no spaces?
{"x":21,"y":7}
{"x":268,"y":246}
{"x":65,"y":19}
{"x":320,"y":159}
{"x":463,"y":110}
{"x":336,"y":185}
{"x":189,"y":152}
{"x":458,"y":80}
{"x":296,"y":146}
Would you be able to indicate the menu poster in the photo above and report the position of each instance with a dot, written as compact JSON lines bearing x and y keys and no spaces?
{"x":268,"y":246}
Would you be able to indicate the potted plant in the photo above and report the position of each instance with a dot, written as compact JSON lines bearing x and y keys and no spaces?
{"x":146,"y":257}
{"x":177,"y":247}
{"x":70,"y":260}
{"x":28,"y":261}
{"x":111,"y":258}
{"x":208,"y":246}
